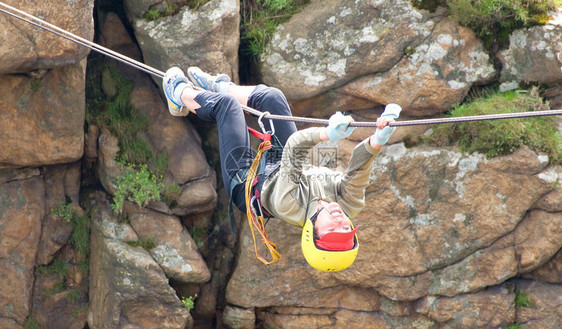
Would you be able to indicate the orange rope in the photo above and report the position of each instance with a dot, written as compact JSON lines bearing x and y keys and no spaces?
{"x":257,"y":222}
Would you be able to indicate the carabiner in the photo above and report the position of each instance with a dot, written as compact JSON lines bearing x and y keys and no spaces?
{"x":270,"y":124}
{"x":259,"y":206}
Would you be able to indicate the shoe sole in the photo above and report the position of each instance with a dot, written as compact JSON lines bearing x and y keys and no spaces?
{"x":199,"y":81}
{"x":173,"y":107}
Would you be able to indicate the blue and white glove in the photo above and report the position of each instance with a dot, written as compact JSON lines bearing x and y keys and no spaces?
{"x":390,"y":111}
{"x":338,"y":127}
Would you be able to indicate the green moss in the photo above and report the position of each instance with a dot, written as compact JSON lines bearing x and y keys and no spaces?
{"x":36,"y":85}
{"x":138,"y":185}
{"x":430,"y":5}
{"x":84,"y":265}
{"x":73,"y":295}
{"x":56,"y":268}
{"x":170,"y":9}
{"x":409,"y":51}
{"x":522,"y":299}
{"x":63,"y":212}
{"x":80,"y":237}
{"x":500,"y":137}
{"x":58,"y":287}
{"x":494,"y":20}
{"x":152,"y":14}
{"x":198,"y":235}
{"x":146,"y":243}
{"x":515,"y":326}
{"x":30,"y":323}
{"x":170,"y":194}
{"x":116,"y":113}
{"x":161,"y":164}
{"x":260,"y":19}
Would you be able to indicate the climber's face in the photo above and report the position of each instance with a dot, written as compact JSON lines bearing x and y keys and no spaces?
{"x":330,"y":218}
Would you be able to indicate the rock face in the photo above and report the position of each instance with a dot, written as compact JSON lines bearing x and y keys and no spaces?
{"x":534,"y":55}
{"x":63,"y":182}
{"x":127,"y":287}
{"x":25,"y":48}
{"x":175,"y":250}
{"x":439,"y":226}
{"x":42,"y":118}
{"x":31,"y":236}
{"x":336,"y":55}
{"x":23,"y":207}
{"x":544,"y":302}
{"x":207,"y":37}
{"x":488,"y":309}
{"x":43,"y":113}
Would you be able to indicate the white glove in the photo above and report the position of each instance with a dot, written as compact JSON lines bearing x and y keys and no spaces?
{"x":390,"y":111}
{"x":338,"y":127}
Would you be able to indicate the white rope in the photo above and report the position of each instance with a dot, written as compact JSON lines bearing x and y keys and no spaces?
{"x":21,"y":15}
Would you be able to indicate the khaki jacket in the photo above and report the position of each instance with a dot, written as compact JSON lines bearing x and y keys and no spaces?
{"x":292,"y":193}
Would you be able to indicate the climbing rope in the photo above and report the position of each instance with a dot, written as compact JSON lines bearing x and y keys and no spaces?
{"x":257,"y":220}
{"x":21,"y":15}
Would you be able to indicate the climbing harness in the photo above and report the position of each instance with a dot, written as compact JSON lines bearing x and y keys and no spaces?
{"x":256,"y":218}
{"x":21,"y":15}
{"x":253,"y":179}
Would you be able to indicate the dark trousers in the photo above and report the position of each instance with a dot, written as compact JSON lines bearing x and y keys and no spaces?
{"x":234,"y":142}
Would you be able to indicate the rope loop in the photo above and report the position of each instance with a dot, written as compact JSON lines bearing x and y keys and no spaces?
{"x":256,"y":222}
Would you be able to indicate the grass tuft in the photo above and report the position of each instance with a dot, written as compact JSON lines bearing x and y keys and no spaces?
{"x":146,"y":243}
{"x":494,"y":20}
{"x":515,"y":326}
{"x":56,"y":268}
{"x":63,"y":212}
{"x":164,"y":9}
{"x":30,"y":323}
{"x":138,"y":185}
{"x":116,"y":113}
{"x":74,"y":295}
{"x":260,"y":19}
{"x":501,"y":137}
{"x":170,"y":194}
{"x":80,"y":237}
{"x":522,"y":299}
{"x":189,"y":302}
{"x":198,"y":235}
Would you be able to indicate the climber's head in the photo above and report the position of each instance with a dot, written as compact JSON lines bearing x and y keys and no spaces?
{"x":329,"y":242}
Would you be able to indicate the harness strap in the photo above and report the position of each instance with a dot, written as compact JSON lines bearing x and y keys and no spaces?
{"x":263,"y":136}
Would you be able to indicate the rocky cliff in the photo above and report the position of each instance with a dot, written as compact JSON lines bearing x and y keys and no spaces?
{"x":448,"y":239}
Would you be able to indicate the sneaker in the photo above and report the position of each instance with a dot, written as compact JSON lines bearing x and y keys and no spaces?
{"x":172,"y":78}
{"x":217,"y":84}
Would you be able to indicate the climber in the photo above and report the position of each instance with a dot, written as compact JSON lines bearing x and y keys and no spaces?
{"x":320,"y":200}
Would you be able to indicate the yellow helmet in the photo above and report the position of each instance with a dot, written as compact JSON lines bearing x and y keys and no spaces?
{"x":326,"y":260}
